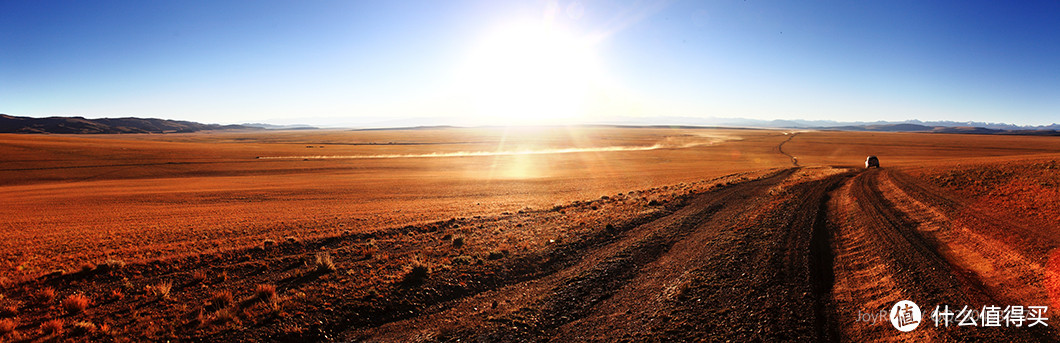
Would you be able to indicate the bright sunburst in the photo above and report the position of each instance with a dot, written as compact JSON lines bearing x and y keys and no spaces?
{"x":531,"y":74}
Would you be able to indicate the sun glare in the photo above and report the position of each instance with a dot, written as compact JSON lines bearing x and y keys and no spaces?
{"x":530,"y":74}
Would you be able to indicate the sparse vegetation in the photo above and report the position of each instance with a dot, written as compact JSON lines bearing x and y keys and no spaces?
{"x":198,"y":276}
{"x":228,"y":315}
{"x":82,"y":328}
{"x":76,"y":303}
{"x":221,"y":299}
{"x":54,"y":326}
{"x":324,"y":263}
{"x":160,"y":290}
{"x":417,"y":272}
{"x":463,"y":260}
{"x":217,"y":268}
{"x":111,"y":264}
{"x":45,"y":295}
{"x":265,"y":292}
{"x":273,"y":305}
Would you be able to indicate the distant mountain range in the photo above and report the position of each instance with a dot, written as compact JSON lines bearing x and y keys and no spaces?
{"x":13,"y":124}
{"x":878,"y":126}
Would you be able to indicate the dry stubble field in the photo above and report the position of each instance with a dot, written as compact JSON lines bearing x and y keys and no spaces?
{"x":590,"y":233}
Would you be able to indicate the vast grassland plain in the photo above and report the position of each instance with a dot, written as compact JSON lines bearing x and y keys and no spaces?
{"x":537,"y":233}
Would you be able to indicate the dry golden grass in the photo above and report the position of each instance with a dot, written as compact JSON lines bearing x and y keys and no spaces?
{"x":76,"y":303}
{"x":160,"y":290}
{"x":83,"y":328}
{"x":45,"y":295}
{"x":228,"y":315}
{"x":145,"y":197}
{"x":324,"y":264}
{"x":198,"y":276}
{"x":193,"y":200}
{"x":265,"y":292}
{"x":54,"y":326}
{"x":116,"y":294}
{"x":221,"y":299}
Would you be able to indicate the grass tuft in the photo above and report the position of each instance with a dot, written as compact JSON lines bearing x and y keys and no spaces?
{"x":75,"y":303}
{"x":160,"y":290}
{"x":46,"y":294}
{"x":225,"y":316}
{"x":324,"y":262}
{"x":222,"y":299}
{"x":54,"y":326}
{"x":417,"y":273}
{"x":198,"y":276}
{"x":265,"y":292}
{"x":274,"y":305}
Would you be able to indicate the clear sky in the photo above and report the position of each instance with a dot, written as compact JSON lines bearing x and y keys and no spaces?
{"x":490,"y":62}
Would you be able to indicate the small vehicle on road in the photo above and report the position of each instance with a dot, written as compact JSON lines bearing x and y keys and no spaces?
{"x":872,"y":161}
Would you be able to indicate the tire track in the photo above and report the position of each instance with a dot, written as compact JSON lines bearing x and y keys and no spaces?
{"x":534,"y":310}
{"x":780,"y":147}
{"x":895,"y":253}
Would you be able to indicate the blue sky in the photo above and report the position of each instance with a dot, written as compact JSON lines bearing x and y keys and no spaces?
{"x":322,"y":62}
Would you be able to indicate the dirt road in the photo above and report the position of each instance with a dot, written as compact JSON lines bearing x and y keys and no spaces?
{"x":794,"y":256}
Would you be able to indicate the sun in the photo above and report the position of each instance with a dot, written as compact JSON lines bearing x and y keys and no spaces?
{"x":530,"y":73}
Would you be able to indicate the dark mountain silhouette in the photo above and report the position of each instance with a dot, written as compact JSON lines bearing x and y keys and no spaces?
{"x":13,"y":124}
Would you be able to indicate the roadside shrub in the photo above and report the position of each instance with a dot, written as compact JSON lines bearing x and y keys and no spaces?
{"x":75,"y":303}
{"x":87,"y":267}
{"x":324,"y":263}
{"x":265,"y":292}
{"x":54,"y":326}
